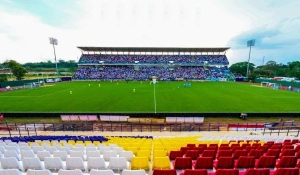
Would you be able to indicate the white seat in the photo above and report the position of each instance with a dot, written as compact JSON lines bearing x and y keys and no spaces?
{"x":118,"y":163}
{"x":91,"y":149}
{"x":108,"y":154}
{"x":7,"y":142}
{"x":96,"y":163}
{"x":10,"y":172}
{"x":133,"y":172}
{"x":42,"y":154}
{"x":127,"y":154}
{"x":90,"y":145}
{"x":38,"y":172}
{"x":78,"y":149}
{"x":37,"y":148}
{"x":61,"y":154}
{"x":22,"y":144}
{"x":112,"y":145}
{"x":32,"y":163}
{"x":79,"y":146}
{"x":27,"y":153}
{"x":118,"y":149}
{"x":25,"y":148}
{"x":92,"y":154}
{"x":51,"y":149}
{"x":57,"y":145}
{"x":2,"y":149}
{"x":103,"y":149}
{"x":9,"y":148}
{"x":45,"y":145}
{"x":69,"y":172}
{"x":74,"y":163}
{"x":53,"y":163}
{"x":3,"y":144}
{"x":12,"y":153}
{"x":77,"y":154}
{"x":13,"y":144}
{"x":33,"y":145}
{"x":10,"y":163}
{"x":1,"y":155}
{"x":68,"y":145}
{"x":101,"y":172}
{"x":101,"y":145}
{"x":66,"y":149}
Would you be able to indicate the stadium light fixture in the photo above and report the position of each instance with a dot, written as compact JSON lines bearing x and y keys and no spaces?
{"x":53,"y":41}
{"x":250,"y":43}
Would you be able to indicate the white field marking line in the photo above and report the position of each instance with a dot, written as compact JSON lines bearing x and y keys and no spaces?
{"x":60,"y":91}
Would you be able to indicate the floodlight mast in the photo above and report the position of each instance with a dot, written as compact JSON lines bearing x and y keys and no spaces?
{"x":250,"y":43}
{"x":53,"y":41}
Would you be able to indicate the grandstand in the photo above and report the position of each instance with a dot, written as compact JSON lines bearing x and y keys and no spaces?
{"x":135,"y":63}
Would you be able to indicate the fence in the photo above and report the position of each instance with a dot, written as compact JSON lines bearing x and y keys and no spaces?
{"x":27,"y":129}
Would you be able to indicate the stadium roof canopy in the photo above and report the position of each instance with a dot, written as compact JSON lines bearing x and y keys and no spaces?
{"x":151,"y":49}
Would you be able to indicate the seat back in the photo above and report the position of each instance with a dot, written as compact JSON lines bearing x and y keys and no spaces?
{"x":133,"y":172}
{"x":93,"y":154}
{"x":288,"y":152}
{"x":11,"y":153}
{"x":164,"y":172}
{"x":70,"y":172}
{"x":225,"y":163}
{"x":256,"y":153}
{"x":10,"y":172}
{"x":273,"y":152}
{"x":266,"y":162}
{"x":227,"y":172}
{"x":174,"y":154}
{"x":194,"y":154}
{"x":117,"y":163}
{"x":224,"y":153}
{"x":286,"y":171}
{"x":287,"y":162}
{"x":38,"y":172}
{"x":140,"y":163}
{"x":101,"y":172}
{"x":96,"y":163}
{"x":161,"y":163}
{"x":27,"y":153}
{"x":10,"y":163}
{"x":42,"y":154}
{"x":37,"y":148}
{"x":53,"y":163}
{"x":127,"y":154}
{"x":108,"y":154}
{"x":73,"y":163}
{"x":245,"y":162}
{"x":183,"y":163}
{"x":209,"y":153}
{"x":251,"y":171}
{"x":195,"y":172}
{"x":61,"y":154}
{"x":32,"y":163}
{"x":204,"y":163}
{"x":239,"y":153}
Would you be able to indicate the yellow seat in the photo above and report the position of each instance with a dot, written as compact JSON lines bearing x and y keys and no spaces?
{"x":138,"y":163}
{"x":133,"y":149}
{"x":143,"y":153}
{"x":161,"y":163}
{"x":159,"y":153}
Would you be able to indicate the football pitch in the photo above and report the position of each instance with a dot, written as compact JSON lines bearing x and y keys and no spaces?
{"x":141,"y":97}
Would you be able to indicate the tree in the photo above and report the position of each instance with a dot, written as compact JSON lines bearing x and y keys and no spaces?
{"x":241,"y":68}
{"x":271,"y":67}
{"x":16,"y":68}
{"x":3,"y":78}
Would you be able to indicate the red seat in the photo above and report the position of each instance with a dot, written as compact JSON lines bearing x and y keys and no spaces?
{"x":298,"y":164}
{"x":209,"y":153}
{"x":183,"y":163}
{"x":234,"y":144}
{"x":257,"y":172}
{"x":225,"y":163}
{"x":288,"y":147}
{"x":215,"y":148}
{"x":287,"y":152}
{"x":204,"y":163}
{"x":287,"y":162}
{"x":297,"y":148}
{"x":273,"y":152}
{"x":245,"y":162}
{"x":224,"y":148}
{"x":200,"y":149}
{"x":234,"y":148}
{"x":164,"y":172}
{"x":244,"y":145}
{"x":191,"y":145}
{"x":263,"y":148}
{"x":287,"y":171}
{"x":276,"y":147}
{"x":256,"y":144}
{"x":185,"y":149}
{"x":194,"y":172}
{"x":194,"y":154}
{"x":202,"y":145}
{"x":295,"y":141}
{"x":256,"y":153}
{"x":250,"y":148}
{"x":224,"y":144}
{"x":224,"y":153}
{"x":227,"y":172}
{"x":174,"y":154}
{"x":214,"y":144}
{"x":239,"y":153}
{"x":266,"y":162}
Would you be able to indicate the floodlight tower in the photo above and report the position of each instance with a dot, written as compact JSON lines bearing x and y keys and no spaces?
{"x":53,"y":41}
{"x":250,"y":43}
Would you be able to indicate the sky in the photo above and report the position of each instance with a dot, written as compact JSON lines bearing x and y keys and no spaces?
{"x":26,"y":25}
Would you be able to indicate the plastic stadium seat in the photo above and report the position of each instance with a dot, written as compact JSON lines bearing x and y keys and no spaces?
{"x":199,"y":149}
{"x":273,"y":152}
{"x":183,"y":163}
{"x":164,"y":172}
{"x":96,"y":163}
{"x":287,"y":152}
{"x":61,"y":154}
{"x":10,"y":172}
{"x":38,"y":172}
{"x":143,"y":153}
{"x":32,"y":163}
{"x":108,"y":154}
{"x":77,"y":154}
{"x":101,"y":172}
{"x":202,"y":145}
{"x":27,"y":153}
{"x":194,"y":172}
{"x":224,"y":148}
{"x":251,"y":171}
{"x":266,"y":162}
{"x":174,"y":154}
{"x":66,"y":149}
{"x":118,"y":163}
{"x":227,"y":172}
{"x":42,"y":154}
{"x":191,"y":145}
{"x":185,"y":149}
{"x":12,"y":153}
{"x":286,"y":171}
{"x":37,"y":148}
{"x":159,"y":153}
{"x":287,"y":162}
{"x":209,"y":153}
{"x":245,"y":162}
{"x":25,"y":148}
{"x":287,"y":147}
{"x":133,"y":172}
{"x":74,"y":163}
{"x":204,"y":163}
{"x":127,"y":154}
{"x":194,"y":154}
{"x":224,"y":153}
{"x":225,"y":163}
{"x":92,"y":154}
{"x":234,"y":148}
{"x":70,"y":172}
{"x":53,"y":163}
{"x":161,"y":163}
{"x":140,"y":163}
{"x":256,"y":153}
{"x":8,"y":148}
{"x":2,"y":149}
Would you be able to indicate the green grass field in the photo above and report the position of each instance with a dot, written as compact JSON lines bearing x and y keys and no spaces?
{"x":170,"y":97}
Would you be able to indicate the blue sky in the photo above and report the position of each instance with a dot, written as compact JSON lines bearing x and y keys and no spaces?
{"x":26,"y":25}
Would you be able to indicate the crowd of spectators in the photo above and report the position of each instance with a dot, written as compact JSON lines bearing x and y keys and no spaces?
{"x":145,"y":73}
{"x":154,"y":59}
